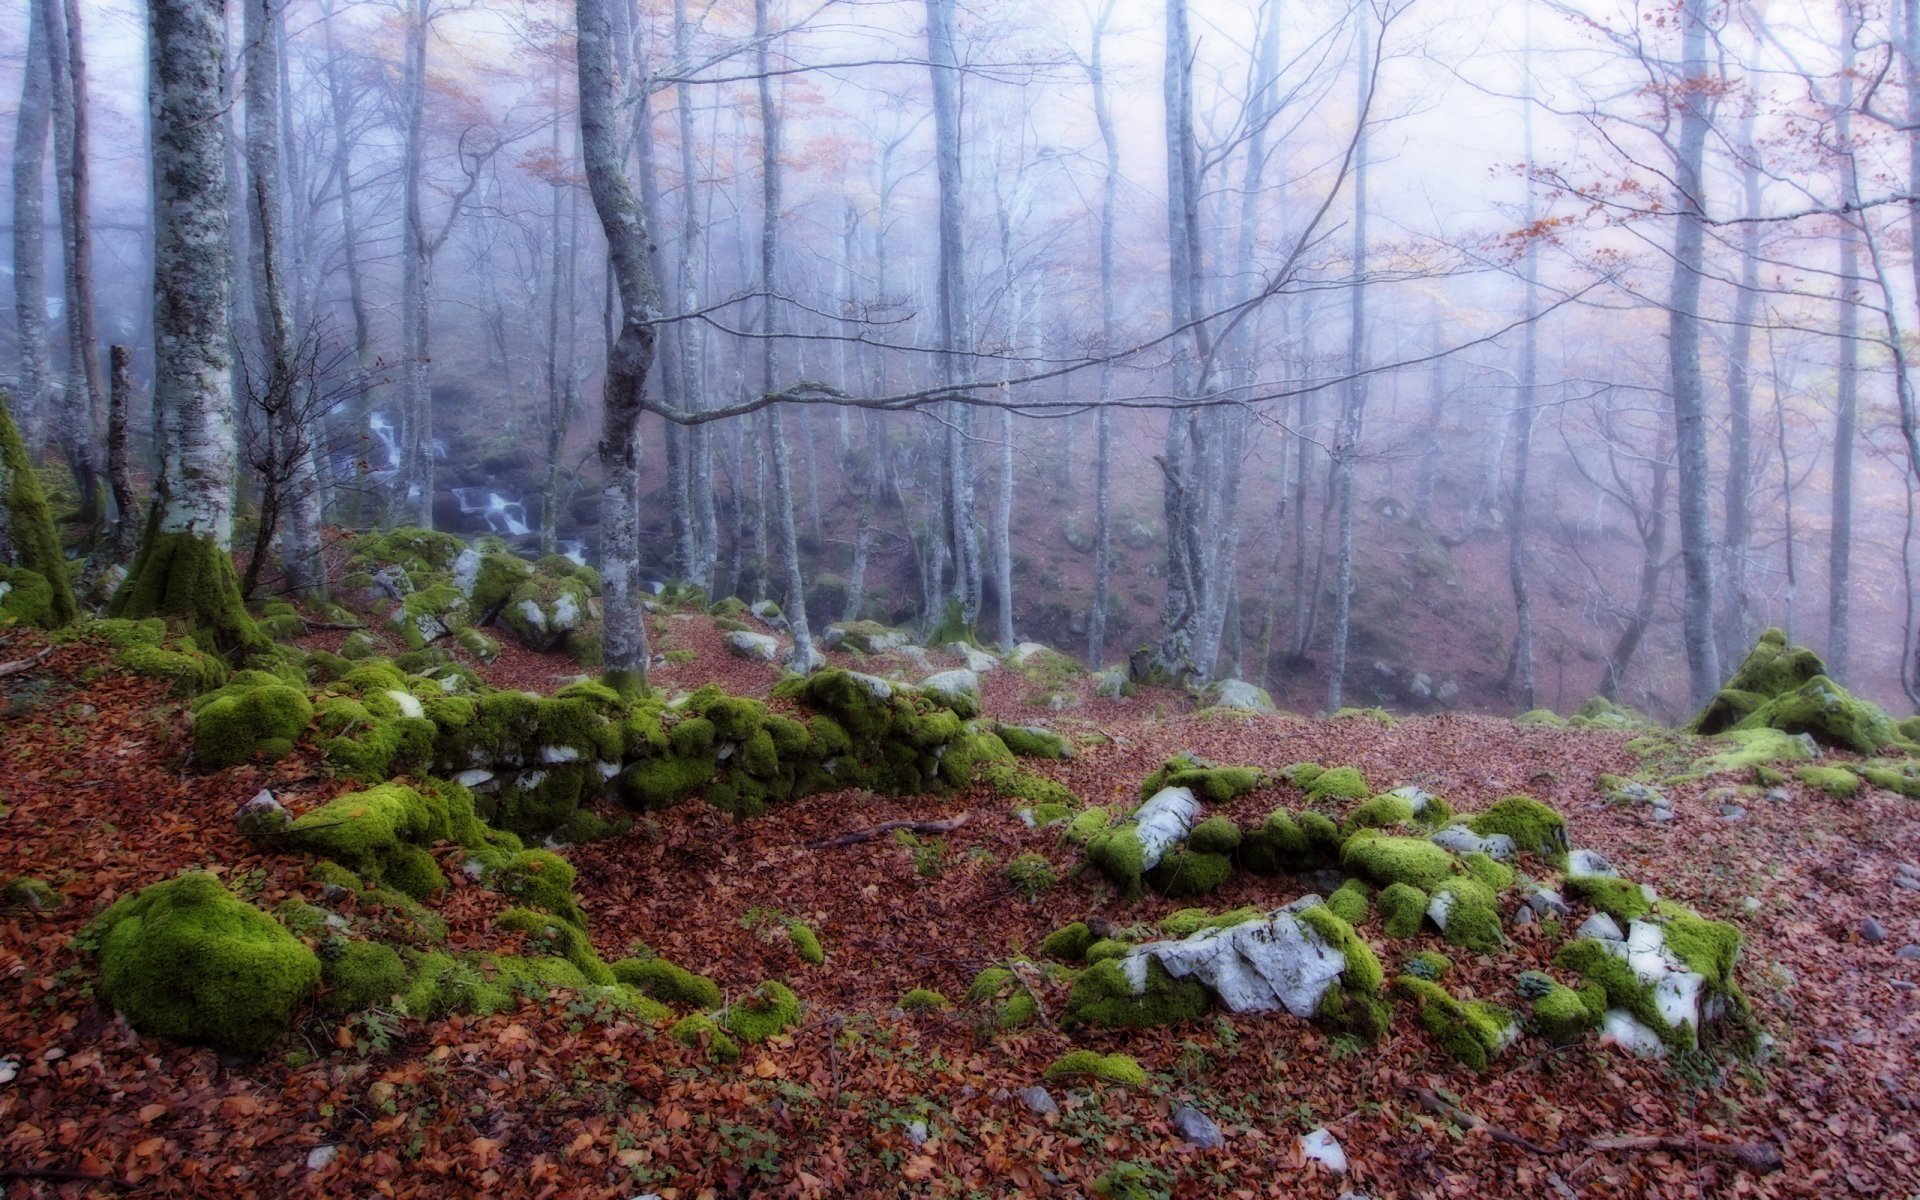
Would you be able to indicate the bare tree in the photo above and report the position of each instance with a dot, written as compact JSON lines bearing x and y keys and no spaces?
{"x":29,"y":247}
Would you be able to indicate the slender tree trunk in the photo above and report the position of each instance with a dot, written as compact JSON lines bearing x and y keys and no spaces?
{"x":629,"y":355}
{"x":691,"y":336}
{"x":184,"y":568}
{"x":29,"y":236}
{"x":360,"y":387}
{"x":1683,"y":349}
{"x":1847,"y":373}
{"x":1346,"y":446}
{"x":126,"y":534}
{"x":81,"y":415}
{"x":1518,"y":571}
{"x":416,"y":266}
{"x":1103,"y":415}
{"x":1736,"y":633}
{"x":1652,"y":521}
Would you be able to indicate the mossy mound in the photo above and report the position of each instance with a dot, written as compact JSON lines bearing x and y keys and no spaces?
{"x":1103,"y":997}
{"x":1535,"y":828}
{"x":1090,"y":1064}
{"x":768,"y":1009}
{"x":1215,"y":784}
{"x":34,"y":589}
{"x":1786,"y":688}
{"x":1386,"y":859}
{"x":244,"y":721}
{"x":667,"y":983}
{"x":1472,"y":1031}
{"x":186,"y":959}
{"x":699,"y":1031}
{"x":383,"y":835}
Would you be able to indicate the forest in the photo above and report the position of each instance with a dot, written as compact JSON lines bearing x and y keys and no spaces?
{"x":1159,"y":598}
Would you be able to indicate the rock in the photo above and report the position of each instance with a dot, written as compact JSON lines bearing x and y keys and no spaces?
{"x":1601,"y":927}
{"x":1461,"y":840}
{"x":1111,"y":684}
{"x":1871,"y":933}
{"x":1904,"y":985}
{"x":9,"y":1070}
{"x":1422,"y":686}
{"x":868,"y":637}
{"x":768,"y":613}
{"x":1163,"y":820}
{"x":1198,"y":1129}
{"x":1779,"y":795}
{"x":1523,"y":916}
{"x":1909,"y":882}
{"x":1026,"y":652}
{"x":1545,"y":902}
{"x":1732,"y":812}
{"x":815,"y":661}
{"x":1909,"y":953}
{"x":320,"y":1156}
{"x":1323,"y":1148}
{"x":1447,"y":692}
{"x":917,"y":1132}
{"x":1750,"y":904}
{"x":1238,"y":695}
{"x":1061,"y":701}
{"x":1260,"y":965}
{"x":473,"y":777}
{"x":263,"y":815}
{"x":756,"y":647}
{"x":1619,"y":1028}
{"x":1038,"y":1100}
{"x":1661,"y":814}
{"x":1589,"y":862}
{"x":958,"y":689}
{"x":1632,"y":791}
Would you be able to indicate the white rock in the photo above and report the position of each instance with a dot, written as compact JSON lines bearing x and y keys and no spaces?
{"x":1601,"y":927}
{"x":1590,"y":862}
{"x":1164,"y":819}
{"x":566,"y":612}
{"x":956,"y":684}
{"x":977,"y":660}
{"x":1025,"y":652}
{"x":1620,"y":1028}
{"x":1240,"y":696}
{"x":320,"y":1156}
{"x":409,"y":703}
{"x":559,"y":754}
{"x":1261,"y":965}
{"x":466,"y":571}
{"x":1461,"y":840}
{"x":1323,"y":1148}
{"x":754,"y":646}
{"x":473,"y":777}
{"x":9,"y":1067}
{"x":1439,"y":908}
{"x":874,"y":686}
{"x":1676,"y":987}
{"x":1418,"y":797}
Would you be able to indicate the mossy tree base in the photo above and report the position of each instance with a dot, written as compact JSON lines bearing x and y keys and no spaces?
{"x":190,"y":581}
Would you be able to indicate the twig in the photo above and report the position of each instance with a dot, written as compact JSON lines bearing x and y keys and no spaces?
{"x":1762,"y":1158}
{"x":26,"y":664}
{"x":1039,"y":1005}
{"x":71,"y":1176}
{"x":313,"y":624}
{"x":1467,"y":1120}
{"x":886,"y":827}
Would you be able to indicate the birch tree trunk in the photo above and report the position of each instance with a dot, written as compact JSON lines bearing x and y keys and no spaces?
{"x":184,"y":569}
{"x":29,"y":238}
{"x":360,"y":387}
{"x":690,"y":335}
{"x":1683,"y":351}
{"x":416,"y":265}
{"x":629,"y":353}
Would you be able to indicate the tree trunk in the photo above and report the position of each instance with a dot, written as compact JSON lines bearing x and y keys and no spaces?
{"x":1736,"y":633}
{"x":416,"y":264}
{"x":1521,"y":668}
{"x":1847,"y":372}
{"x":689,"y":334}
{"x":629,"y":354}
{"x":126,"y":534}
{"x":1346,"y":445}
{"x":1103,"y":415}
{"x":29,"y":238}
{"x":80,"y":417}
{"x":360,"y":387}
{"x":27,"y":535}
{"x":184,"y":569}
{"x":1683,"y":350}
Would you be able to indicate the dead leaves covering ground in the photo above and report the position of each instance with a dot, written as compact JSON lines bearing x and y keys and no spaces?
{"x":550,"y":1101}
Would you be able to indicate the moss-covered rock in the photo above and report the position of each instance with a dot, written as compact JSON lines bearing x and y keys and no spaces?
{"x":185,"y":958}
{"x":922,"y":1000}
{"x":1190,"y":872}
{"x":1387,"y":859}
{"x":1103,"y":997}
{"x":1561,"y":1014}
{"x":1534,"y":827}
{"x":1216,"y":784}
{"x":35,"y":562}
{"x":1622,"y":899}
{"x":242,"y":722}
{"x":1403,"y":909}
{"x":1468,"y":913}
{"x":769,"y":1009}
{"x":667,"y":982}
{"x":1034,"y":741}
{"x":700,"y":1031}
{"x":361,"y":974}
{"x":1837,"y":782}
{"x":1091,"y":1064}
{"x":1473,"y":1032}
{"x":1337,"y":784}
{"x":1351,"y":901}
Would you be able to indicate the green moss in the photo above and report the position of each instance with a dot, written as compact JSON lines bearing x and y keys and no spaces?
{"x":989,"y":983}
{"x":1472,"y":1032}
{"x":1302,"y":774}
{"x":1215,"y":835}
{"x":191,"y":670}
{"x":1351,"y":901}
{"x":1086,"y":826}
{"x":661,"y":782}
{"x":1753,"y":750}
{"x":1019,"y":1009}
{"x":1102,"y":997}
{"x":185,"y":959}
{"x":1189,"y":921}
{"x":1534,"y":827}
{"x":1090,"y":1064}
{"x":1030,"y":789}
{"x":1068,"y":943}
{"x":1279,"y":844}
{"x":1338,"y":783}
{"x":1825,"y":711}
{"x":699,"y":1030}
{"x":1599,"y":966}
{"x":26,"y":892}
{"x":362,"y":974}
{"x":378,"y":833}
{"x":32,"y":537}
{"x":542,"y":879}
{"x":1107,"y":948}
{"x":1837,"y":782}
{"x":542,"y":799}
{"x":1561,"y":1014}
{"x":1363,"y":972}
{"x":189,"y":581}
{"x":238,"y":724}
{"x":1216,"y":784}
{"x":1386,"y":859}
{"x":1403,"y":910}
{"x":1541,"y":718}
{"x":1901,"y":777}
{"x":549,"y":936}
{"x":922,"y":1000}
{"x":769,"y":1009}
{"x":1619,"y":898}
{"x":1490,"y":871}
{"x":1473,"y":915}
{"x":26,"y":598}
{"x":1029,"y":875}
{"x":666,"y":982}
{"x":1188,"y":872}
{"x":1430,"y":965}
{"x":806,"y":943}
{"x":1379,"y":813}
{"x":1034,"y":741}
{"x":1118,"y":853}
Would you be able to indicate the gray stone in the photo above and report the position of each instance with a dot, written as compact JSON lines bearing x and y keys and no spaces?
{"x":1732,"y":812}
{"x":1871,"y":933}
{"x":1545,"y":902}
{"x":1260,"y":965}
{"x":972,"y":657}
{"x":1038,"y":1100}
{"x":1904,"y":985}
{"x":815,"y":661}
{"x":956,"y":688}
{"x":1523,"y":916}
{"x":1601,"y":927}
{"x":1635,"y":792}
{"x":1239,"y":696}
{"x":1198,"y":1129}
{"x":1461,"y":840}
{"x":917,"y":1132}
{"x":1661,"y":814}
{"x":1779,"y":795}
{"x":263,"y":815}
{"x":756,"y":647}
{"x":768,"y":613}
{"x":1163,"y":820}
{"x":1909,"y":882}
{"x":1110,"y":684}
{"x":1590,"y":862}
{"x":1027,"y":652}
{"x":1910,"y":953}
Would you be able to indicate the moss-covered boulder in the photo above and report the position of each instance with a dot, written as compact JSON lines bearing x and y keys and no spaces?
{"x":33,"y":571}
{"x":187,"y":959}
{"x":248,"y":720}
{"x":1472,"y":1031}
{"x":1786,"y":688}
{"x":544,"y":609}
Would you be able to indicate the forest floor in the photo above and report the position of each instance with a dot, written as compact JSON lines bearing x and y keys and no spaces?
{"x":558,"y":1098}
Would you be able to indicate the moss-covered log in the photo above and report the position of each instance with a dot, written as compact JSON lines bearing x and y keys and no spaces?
{"x":27,"y":538}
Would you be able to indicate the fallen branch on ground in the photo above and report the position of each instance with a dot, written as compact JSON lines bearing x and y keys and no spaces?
{"x":1466,"y":1120}
{"x":26,"y":664}
{"x":1762,"y":1158}
{"x":886,"y":827}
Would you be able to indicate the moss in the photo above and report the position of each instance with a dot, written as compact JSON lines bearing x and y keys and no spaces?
{"x":543,"y":799}
{"x":1090,"y":1064}
{"x":1338,"y":783}
{"x":1086,"y":826}
{"x":1837,"y":782}
{"x":1386,"y":859}
{"x":1029,"y":875}
{"x":1216,"y":784}
{"x":1599,"y":966}
{"x":922,"y":1000}
{"x":1102,"y":997}
{"x":1068,"y":943}
{"x":1363,"y":972}
{"x":1561,"y":1014}
{"x":666,"y":982}
{"x":186,"y":959}
{"x":498,"y":577}
{"x":1215,"y":835}
{"x":1430,"y":965}
{"x":1753,"y":750}
{"x":190,"y":581}
{"x":699,"y":1030}
{"x":1534,"y":827}
{"x":585,"y":826}
{"x":32,"y":537}
{"x":1472,"y":1032}
{"x":1351,"y":901}
{"x":1189,"y":872}
{"x":1709,"y":948}
{"x":1031,"y":789}
{"x":26,"y":892}
{"x":1541,"y":718}
{"x":366,"y":830}
{"x":1302,"y":774}
{"x":1619,"y":898}
{"x":1033,"y":741}
{"x":238,"y":724}
{"x":767,"y":1010}
{"x":550,"y":936}
{"x":1379,"y":813}
{"x":372,"y":749}
{"x":362,"y":974}
{"x":1323,"y":836}
{"x":1824,"y":710}
{"x":1107,"y":948}
{"x":1120,"y":856}
{"x":26,"y":598}
{"x":542,"y":879}
{"x":1490,"y":871}
{"x":1902,"y":777}
{"x":192,"y":670}
{"x":1403,"y":910}
{"x":1279,"y":844}
{"x":1018,"y":1009}
{"x":1473,"y":914}
{"x":806,"y":943}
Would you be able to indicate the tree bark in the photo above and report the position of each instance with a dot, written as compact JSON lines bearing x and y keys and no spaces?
{"x":1103,"y":414}
{"x":80,"y":416}
{"x":1346,"y":445}
{"x":1518,"y":571}
{"x":1846,"y":373}
{"x":29,"y":239}
{"x":1736,"y":633}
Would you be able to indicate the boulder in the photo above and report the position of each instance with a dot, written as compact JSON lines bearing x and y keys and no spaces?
{"x":755,"y":647}
{"x":867,"y":637}
{"x":958,"y":689}
{"x":1261,"y":965}
{"x":1239,"y":696}
{"x":1165,"y":819}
